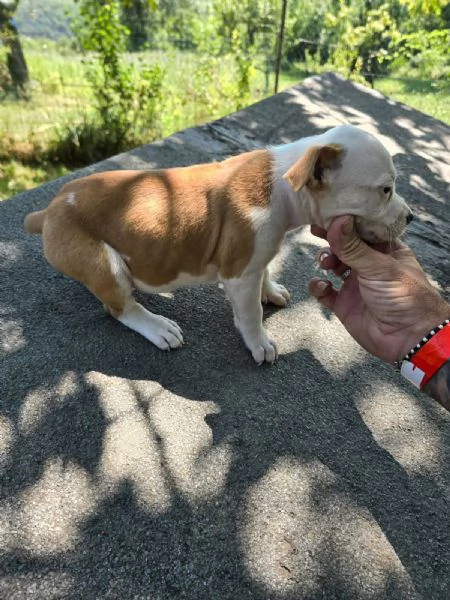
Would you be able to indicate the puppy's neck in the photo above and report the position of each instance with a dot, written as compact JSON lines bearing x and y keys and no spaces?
{"x":296,"y":208}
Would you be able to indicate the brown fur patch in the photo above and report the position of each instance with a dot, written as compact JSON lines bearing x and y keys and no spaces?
{"x":166,"y":222}
{"x":34,"y":221}
{"x":79,"y":255}
{"x":309,"y":168}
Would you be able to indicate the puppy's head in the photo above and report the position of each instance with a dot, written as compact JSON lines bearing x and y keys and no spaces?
{"x":348,"y":171}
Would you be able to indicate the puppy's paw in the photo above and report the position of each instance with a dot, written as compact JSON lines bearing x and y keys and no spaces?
{"x":265,"y":350}
{"x":275,"y":293}
{"x":162,"y":332}
{"x":166,"y":334}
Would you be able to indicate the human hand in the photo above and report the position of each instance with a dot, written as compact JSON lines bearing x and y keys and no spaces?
{"x":386,"y":303}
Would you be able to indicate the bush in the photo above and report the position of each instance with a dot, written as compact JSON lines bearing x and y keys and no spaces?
{"x":424,"y":51}
{"x":126,"y":93}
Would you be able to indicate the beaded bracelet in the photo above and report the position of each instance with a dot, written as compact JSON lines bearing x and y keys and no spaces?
{"x":427,"y":356}
{"x":424,"y":340}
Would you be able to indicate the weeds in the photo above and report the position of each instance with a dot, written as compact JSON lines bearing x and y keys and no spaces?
{"x":125,"y":94}
{"x":61,"y":126}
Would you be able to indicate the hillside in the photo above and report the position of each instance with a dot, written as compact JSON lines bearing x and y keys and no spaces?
{"x":45,"y":18}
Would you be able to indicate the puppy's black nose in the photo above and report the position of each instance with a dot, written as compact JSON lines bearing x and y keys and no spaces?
{"x":409,"y":218}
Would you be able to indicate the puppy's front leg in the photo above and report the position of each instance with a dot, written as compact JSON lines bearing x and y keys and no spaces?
{"x":273,"y":292}
{"x":245,"y":296}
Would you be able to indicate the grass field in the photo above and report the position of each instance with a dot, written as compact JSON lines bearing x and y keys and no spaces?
{"x":430,"y":97}
{"x":427,"y":96}
{"x":196,"y":89}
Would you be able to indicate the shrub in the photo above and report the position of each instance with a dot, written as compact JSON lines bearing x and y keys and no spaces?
{"x":126,"y":93}
{"x":424,"y":51}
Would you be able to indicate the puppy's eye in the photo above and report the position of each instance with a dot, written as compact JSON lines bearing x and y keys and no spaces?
{"x":387,"y":189}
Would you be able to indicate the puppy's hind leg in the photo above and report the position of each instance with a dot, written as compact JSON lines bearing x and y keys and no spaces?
{"x":162,"y":332}
{"x":104,"y":272}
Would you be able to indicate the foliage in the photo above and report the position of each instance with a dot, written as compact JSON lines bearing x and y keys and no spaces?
{"x":363,"y":48}
{"x":45,"y":19}
{"x":245,"y":30}
{"x":245,"y":69}
{"x":135,"y":16}
{"x":427,"y":52}
{"x":369,"y":38}
{"x":216,"y":55}
{"x":5,"y":77}
{"x":16,"y":176}
{"x":126,"y":93}
{"x":418,"y":8}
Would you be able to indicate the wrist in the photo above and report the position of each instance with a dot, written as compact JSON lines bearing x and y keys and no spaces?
{"x":425,"y":359}
{"x":422,"y":328}
{"x":438,"y":387}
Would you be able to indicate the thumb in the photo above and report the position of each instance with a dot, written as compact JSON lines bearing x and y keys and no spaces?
{"x":350,"y":248}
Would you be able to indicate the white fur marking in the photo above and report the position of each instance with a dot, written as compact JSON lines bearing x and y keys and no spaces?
{"x":259,"y":216}
{"x":119,"y":269}
{"x":351,"y":188}
{"x":164,"y":333}
{"x":183,"y":280}
{"x":70,"y":198}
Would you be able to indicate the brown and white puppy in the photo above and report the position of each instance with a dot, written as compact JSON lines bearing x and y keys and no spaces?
{"x":159,"y":230}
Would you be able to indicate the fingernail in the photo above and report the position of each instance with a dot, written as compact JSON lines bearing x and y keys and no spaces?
{"x":347,"y":227}
{"x":322,"y":285}
{"x":323,"y":255}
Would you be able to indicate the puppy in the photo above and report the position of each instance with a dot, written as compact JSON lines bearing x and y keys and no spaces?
{"x":158,"y":230}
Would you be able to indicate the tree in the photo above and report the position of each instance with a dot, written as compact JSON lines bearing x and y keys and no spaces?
{"x":126,"y":93}
{"x":136,"y":17}
{"x":248,"y":17}
{"x":15,"y":58}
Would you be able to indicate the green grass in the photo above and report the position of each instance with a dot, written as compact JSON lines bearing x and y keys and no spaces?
{"x":196,"y":89}
{"x":59,"y":93}
{"x":429,"y":97}
{"x":292,"y":76}
{"x":16,"y":177}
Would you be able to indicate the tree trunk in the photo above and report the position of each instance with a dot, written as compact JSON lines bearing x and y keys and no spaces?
{"x":15,"y":58}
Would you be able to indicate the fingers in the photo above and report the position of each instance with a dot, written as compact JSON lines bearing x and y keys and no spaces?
{"x":323,"y":290}
{"x":327,"y":260}
{"x":351,"y":250}
{"x":330,"y":262}
{"x":348,"y":250}
{"x":345,"y":240}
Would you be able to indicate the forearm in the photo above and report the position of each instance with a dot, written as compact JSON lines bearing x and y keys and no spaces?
{"x":439,"y":386}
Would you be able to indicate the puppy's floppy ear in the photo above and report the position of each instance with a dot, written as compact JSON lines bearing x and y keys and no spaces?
{"x":310,"y":167}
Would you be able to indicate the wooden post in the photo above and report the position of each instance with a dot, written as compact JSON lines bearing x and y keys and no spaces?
{"x":280,"y":45}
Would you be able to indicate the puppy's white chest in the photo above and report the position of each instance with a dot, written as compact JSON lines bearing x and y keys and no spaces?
{"x":183,"y":280}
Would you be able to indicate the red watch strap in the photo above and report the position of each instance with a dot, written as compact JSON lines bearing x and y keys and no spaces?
{"x":430,"y":358}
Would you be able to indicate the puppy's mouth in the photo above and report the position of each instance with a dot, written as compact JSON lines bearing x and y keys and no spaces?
{"x":375,"y":233}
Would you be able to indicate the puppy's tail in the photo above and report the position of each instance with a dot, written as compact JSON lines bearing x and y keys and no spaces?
{"x":34,"y":221}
